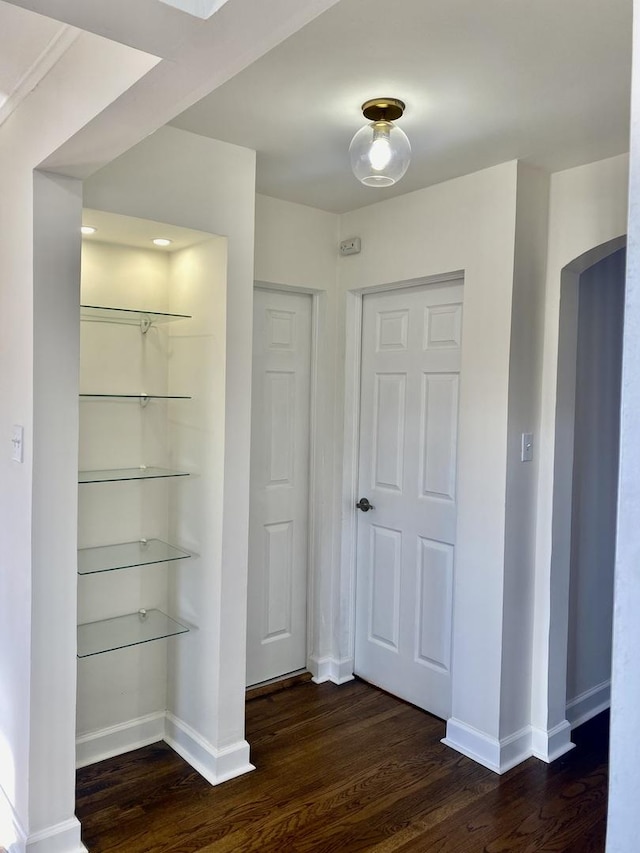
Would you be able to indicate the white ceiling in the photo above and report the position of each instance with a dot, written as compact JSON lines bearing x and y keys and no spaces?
{"x":140,"y":233}
{"x":186,"y":57}
{"x":545,"y":81}
{"x":29,"y":44}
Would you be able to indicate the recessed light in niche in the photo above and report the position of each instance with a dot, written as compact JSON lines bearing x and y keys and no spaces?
{"x":161,"y":241}
{"x":88,"y":229}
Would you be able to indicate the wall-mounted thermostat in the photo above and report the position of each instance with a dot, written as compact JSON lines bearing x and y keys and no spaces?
{"x":350,"y":246}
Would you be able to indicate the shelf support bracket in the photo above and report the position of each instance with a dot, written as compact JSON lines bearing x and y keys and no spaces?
{"x":145,"y":325}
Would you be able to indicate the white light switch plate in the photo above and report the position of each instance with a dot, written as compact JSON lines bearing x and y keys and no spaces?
{"x":17,"y":443}
{"x":526,"y":451}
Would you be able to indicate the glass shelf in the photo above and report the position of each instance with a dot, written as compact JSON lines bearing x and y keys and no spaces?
{"x":126,"y":555}
{"x":119,"y":474}
{"x":94,"y":638}
{"x":140,"y":397}
{"x":128,"y":316}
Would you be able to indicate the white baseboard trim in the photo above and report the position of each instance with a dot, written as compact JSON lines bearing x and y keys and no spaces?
{"x":116,"y":740}
{"x":589,"y":704}
{"x":12,"y":834}
{"x":330,"y":669}
{"x":216,"y":765}
{"x":515,"y":749}
{"x":497,"y":755}
{"x":547,"y":745}
{"x":61,"y":838}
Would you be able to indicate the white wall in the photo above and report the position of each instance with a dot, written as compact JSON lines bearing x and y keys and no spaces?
{"x":180,"y":178}
{"x":37,"y":718}
{"x":196,"y":515}
{"x":54,"y":519}
{"x":524,"y":415}
{"x":130,"y":683}
{"x":467,"y":224}
{"x":595,"y":480}
{"x":623,"y":823}
{"x":297,"y":247}
{"x":587,"y":209}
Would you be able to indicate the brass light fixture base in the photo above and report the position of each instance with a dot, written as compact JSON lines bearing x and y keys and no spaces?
{"x":383,"y":109}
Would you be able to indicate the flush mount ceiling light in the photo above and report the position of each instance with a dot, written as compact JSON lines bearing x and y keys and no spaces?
{"x":161,"y":241}
{"x":380,"y":151}
{"x":88,"y":229}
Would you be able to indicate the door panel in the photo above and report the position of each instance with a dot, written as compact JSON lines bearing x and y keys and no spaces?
{"x":279,"y":411}
{"x":389,"y":408}
{"x":407,"y":469}
{"x":278,"y":522}
{"x":277,"y":619}
{"x":384,"y":606}
{"x":435,"y":589}
{"x":438,"y":431}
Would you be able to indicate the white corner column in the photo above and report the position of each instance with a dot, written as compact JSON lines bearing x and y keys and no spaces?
{"x":53,"y":827}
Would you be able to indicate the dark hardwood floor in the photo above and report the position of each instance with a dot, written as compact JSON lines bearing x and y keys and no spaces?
{"x":348,"y":769}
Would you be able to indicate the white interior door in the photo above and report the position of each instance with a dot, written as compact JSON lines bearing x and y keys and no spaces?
{"x":279,"y":501}
{"x":407,"y":470}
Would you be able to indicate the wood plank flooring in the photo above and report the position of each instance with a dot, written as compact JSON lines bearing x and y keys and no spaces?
{"x":348,"y":769}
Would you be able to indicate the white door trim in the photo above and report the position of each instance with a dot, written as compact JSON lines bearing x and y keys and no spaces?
{"x":344,"y":664}
{"x":314,"y":461}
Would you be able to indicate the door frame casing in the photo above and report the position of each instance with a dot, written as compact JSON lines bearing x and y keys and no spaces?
{"x":346,"y":598}
{"x":313,"y":507}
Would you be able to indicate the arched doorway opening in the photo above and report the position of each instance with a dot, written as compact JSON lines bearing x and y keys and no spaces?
{"x":585,"y":482}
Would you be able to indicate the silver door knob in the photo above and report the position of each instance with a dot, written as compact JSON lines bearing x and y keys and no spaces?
{"x":364,"y":505}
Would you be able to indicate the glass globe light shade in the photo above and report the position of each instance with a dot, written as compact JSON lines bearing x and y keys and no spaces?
{"x":380,"y":154}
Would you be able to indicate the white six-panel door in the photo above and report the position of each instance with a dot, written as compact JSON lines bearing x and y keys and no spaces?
{"x":407,"y":470}
{"x":279,"y":500}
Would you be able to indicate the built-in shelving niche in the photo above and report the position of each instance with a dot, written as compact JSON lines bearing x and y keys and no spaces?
{"x":147,"y":323}
{"x":143,"y":626}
